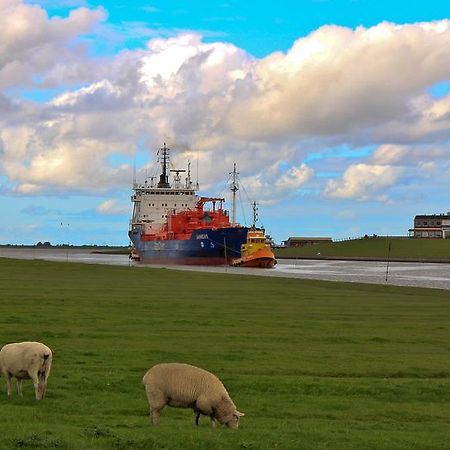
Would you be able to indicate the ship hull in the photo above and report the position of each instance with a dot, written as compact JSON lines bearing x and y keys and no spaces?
{"x":262,"y":263}
{"x":263,"y":259}
{"x":209,"y":247}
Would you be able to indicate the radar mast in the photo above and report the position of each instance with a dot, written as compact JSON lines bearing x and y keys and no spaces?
{"x":164,"y":159}
{"x":234,"y":187}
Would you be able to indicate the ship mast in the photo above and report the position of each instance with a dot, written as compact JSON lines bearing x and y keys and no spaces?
{"x":234,"y":187}
{"x":164,"y":158}
{"x":255,"y":214}
{"x":188,"y":178}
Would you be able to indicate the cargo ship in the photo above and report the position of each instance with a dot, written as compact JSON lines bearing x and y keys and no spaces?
{"x":171,"y":224}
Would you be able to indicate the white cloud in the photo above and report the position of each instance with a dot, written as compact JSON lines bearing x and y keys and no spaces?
{"x":294,"y":178}
{"x":274,"y":183}
{"x":389,"y":154}
{"x":32,"y":43}
{"x":28,"y":188}
{"x":393,"y":167}
{"x":365,"y":86}
{"x":74,"y":165}
{"x":363,"y":182}
{"x":337,"y":79}
{"x":112,"y":207}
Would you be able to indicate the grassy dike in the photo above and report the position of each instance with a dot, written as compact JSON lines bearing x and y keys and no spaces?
{"x":376,"y":248}
{"x":314,"y":365}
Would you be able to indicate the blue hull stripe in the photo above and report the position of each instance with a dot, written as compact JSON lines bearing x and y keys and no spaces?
{"x":206,"y":246}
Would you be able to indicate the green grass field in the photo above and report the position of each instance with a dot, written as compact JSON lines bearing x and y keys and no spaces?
{"x":314,"y":365}
{"x":414,"y":249}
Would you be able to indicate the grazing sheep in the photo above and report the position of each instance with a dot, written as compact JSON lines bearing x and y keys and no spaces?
{"x":24,"y":360}
{"x":186,"y":386}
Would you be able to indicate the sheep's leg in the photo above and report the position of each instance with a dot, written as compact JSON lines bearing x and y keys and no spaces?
{"x":8,"y":383}
{"x":37,"y":385}
{"x":48,"y":366}
{"x":203,"y":406}
{"x":19,"y":386}
{"x":155,"y":415}
{"x":42,"y":384}
{"x":197,"y":419}
{"x":44,"y":390}
{"x":46,"y":374}
{"x":157,"y":401}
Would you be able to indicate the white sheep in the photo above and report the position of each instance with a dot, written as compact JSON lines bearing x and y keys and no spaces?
{"x":185,"y":386}
{"x":24,"y":360}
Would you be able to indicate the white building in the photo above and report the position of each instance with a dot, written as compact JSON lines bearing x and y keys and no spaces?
{"x":433,"y":226}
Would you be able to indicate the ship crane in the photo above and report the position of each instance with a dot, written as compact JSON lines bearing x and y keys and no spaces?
{"x":202,"y":200}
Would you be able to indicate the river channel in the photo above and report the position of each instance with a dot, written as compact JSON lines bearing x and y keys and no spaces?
{"x":429,"y":275}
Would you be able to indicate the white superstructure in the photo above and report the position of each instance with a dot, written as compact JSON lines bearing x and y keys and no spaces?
{"x":154,"y":201}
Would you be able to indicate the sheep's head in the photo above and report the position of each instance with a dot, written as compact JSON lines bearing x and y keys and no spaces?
{"x":232,"y":421}
{"x":226,"y":413}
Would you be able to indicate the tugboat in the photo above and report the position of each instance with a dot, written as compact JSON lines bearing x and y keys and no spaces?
{"x":256,"y":251}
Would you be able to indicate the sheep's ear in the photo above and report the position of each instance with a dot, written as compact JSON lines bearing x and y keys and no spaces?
{"x":238,"y":413}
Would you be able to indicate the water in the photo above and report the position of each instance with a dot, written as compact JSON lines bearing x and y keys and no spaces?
{"x":431,"y":275}
{"x":67,"y":255}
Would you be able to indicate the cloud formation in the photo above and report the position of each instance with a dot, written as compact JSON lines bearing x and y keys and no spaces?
{"x":34,"y":45}
{"x":337,"y":80}
{"x":112,"y":207}
{"x":390,"y":166}
{"x":276,"y":183}
{"x":363,"y":182}
{"x":367,"y":86}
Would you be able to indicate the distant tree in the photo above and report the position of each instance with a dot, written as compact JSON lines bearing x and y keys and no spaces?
{"x":43,"y":244}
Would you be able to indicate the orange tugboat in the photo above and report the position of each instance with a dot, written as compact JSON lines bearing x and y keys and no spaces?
{"x":256,"y":252}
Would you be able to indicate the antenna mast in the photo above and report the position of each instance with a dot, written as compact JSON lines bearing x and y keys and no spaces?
{"x":234,"y":187}
{"x":188,"y":178}
{"x":255,"y":214}
{"x":164,"y":158}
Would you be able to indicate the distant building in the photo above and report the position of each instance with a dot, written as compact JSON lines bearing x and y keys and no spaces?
{"x":433,"y":226}
{"x":304,"y":241}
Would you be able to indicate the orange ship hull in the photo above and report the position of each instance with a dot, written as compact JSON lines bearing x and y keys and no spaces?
{"x":263,"y":258}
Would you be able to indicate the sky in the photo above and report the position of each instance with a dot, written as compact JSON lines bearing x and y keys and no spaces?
{"x":336,"y":112}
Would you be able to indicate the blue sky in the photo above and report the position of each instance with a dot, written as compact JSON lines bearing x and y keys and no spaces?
{"x":337,"y":112}
{"x":260,"y":27}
